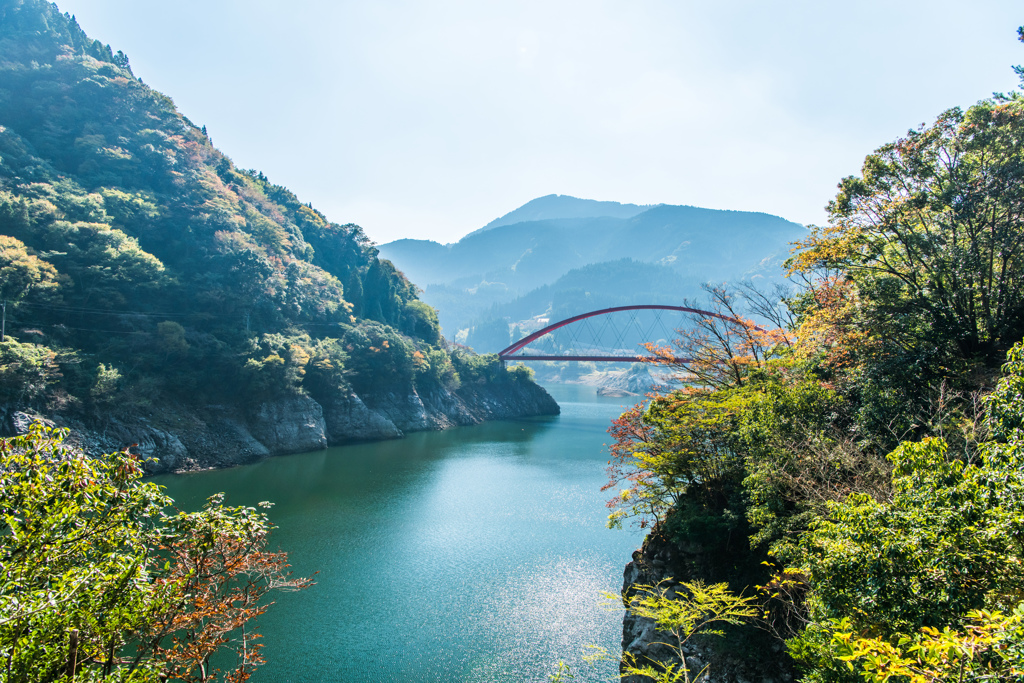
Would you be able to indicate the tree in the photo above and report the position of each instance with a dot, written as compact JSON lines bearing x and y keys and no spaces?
{"x":930,"y":234}
{"x":380,"y":359}
{"x":989,"y":648}
{"x":21,"y":272}
{"x":26,"y":370}
{"x":100,"y":580}
{"x":675,"y":451}
{"x":420,"y":320}
{"x":326,"y":373}
{"x":683,"y":612}
{"x":722,"y":347}
{"x":172,"y":338}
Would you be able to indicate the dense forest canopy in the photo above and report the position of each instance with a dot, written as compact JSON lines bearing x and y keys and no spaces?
{"x":139,"y":261}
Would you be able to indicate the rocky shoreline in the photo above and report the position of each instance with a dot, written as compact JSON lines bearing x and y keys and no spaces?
{"x":660,"y":560}
{"x":637,"y":379}
{"x":174,"y":437}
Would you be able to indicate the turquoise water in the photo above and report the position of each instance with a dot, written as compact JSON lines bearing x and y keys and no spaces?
{"x":474,"y":554}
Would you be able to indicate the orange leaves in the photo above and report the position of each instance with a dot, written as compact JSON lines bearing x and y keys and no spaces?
{"x":91,"y":548}
{"x":661,"y":452}
{"x":629,"y":431}
{"x":824,"y":248}
{"x":212,"y":591}
{"x":829,"y":323}
{"x":719,"y":350}
{"x":419,"y":361}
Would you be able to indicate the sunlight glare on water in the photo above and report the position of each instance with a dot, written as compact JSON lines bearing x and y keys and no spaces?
{"x":475,"y":554}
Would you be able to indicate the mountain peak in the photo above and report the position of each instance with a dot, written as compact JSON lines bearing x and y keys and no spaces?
{"x":563,"y":206}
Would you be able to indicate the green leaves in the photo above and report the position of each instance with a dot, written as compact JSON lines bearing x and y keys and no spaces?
{"x":87,"y":546}
{"x":26,"y":370}
{"x":74,"y":543}
{"x":900,"y":587}
{"x":990,"y":647}
{"x":22,"y":273}
{"x":930,"y":233}
{"x":112,"y":199}
{"x":683,"y":611}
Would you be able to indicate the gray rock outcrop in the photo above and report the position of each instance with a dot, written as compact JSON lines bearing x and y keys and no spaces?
{"x":405,"y":410}
{"x":348,"y":419}
{"x":290,"y":425}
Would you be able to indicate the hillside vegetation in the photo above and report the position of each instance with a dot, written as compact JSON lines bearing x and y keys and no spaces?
{"x":140,"y":263}
{"x":858,"y":468}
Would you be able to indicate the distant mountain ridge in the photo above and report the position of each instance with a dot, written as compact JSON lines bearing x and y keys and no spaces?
{"x":563,"y":206}
{"x":506,"y":260}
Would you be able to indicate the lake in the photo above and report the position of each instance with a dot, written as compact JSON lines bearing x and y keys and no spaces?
{"x":476,"y":554}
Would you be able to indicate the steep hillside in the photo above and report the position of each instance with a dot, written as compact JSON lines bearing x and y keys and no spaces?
{"x":141,"y":267}
{"x":463,"y":280}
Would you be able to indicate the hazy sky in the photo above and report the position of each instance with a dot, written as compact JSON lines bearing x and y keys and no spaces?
{"x":429,"y":119}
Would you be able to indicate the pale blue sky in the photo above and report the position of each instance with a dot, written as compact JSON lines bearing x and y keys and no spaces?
{"x":429,"y":119}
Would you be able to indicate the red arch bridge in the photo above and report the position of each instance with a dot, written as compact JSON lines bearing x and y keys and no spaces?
{"x":607,"y":335}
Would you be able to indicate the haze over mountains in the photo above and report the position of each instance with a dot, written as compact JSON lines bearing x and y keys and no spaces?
{"x":476,"y":280}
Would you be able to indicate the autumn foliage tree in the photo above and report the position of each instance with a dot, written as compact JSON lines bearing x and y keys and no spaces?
{"x":869,"y":456}
{"x":929,"y":234}
{"x":680,"y":445}
{"x":101,"y":580}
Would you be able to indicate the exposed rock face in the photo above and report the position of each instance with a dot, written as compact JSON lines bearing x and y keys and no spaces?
{"x":178,"y":438}
{"x":291,"y":425}
{"x":495,"y":402}
{"x":405,"y":411}
{"x":348,"y":419}
{"x":163,"y":446}
{"x":636,"y":381}
{"x":659,"y":560}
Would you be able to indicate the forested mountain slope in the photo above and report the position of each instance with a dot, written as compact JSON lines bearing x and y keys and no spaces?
{"x":140,"y":265}
{"x":599,"y":285}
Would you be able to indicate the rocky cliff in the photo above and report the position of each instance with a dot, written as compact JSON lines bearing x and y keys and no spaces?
{"x":733,"y":659}
{"x":175,"y":437}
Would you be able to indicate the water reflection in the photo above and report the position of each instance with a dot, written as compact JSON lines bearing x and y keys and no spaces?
{"x":475,"y":554}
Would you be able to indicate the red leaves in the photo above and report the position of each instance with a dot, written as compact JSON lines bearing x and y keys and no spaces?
{"x":212,"y":592}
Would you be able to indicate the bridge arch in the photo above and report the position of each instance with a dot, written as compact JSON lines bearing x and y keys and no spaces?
{"x":509,"y":353}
